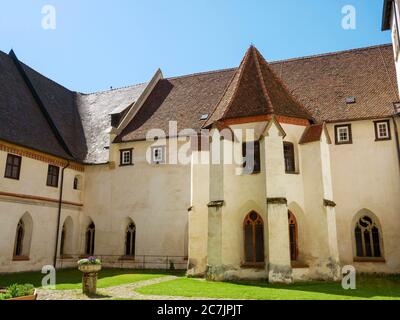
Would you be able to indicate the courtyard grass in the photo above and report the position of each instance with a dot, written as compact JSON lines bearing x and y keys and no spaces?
{"x":368,"y":287}
{"x":72,"y":278}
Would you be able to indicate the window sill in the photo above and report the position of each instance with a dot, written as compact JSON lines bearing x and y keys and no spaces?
{"x":257,"y":265}
{"x":383,"y":139}
{"x":11,"y":178}
{"x":294,"y":172}
{"x":341,"y":143}
{"x":369,"y":259}
{"x":126,"y":165}
{"x":20,"y":258}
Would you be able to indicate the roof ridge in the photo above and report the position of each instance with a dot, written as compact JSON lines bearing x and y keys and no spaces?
{"x":332,"y":53}
{"x":42,"y":107}
{"x":113,"y":89}
{"x":284,"y":86}
{"x":240,"y":69}
{"x":202,"y":73}
{"x":261,"y":79}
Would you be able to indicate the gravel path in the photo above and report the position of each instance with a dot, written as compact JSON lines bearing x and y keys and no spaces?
{"x":126,"y":291}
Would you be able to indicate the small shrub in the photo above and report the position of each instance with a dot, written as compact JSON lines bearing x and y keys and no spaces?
{"x":5,"y":296}
{"x":17,"y":290}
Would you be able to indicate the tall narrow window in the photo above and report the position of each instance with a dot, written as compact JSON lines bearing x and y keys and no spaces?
{"x":382,"y":130}
{"x":130,"y":240}
{"x":367,"y":238}
{"x":52,"y":176}
{"x":253,"y":239}
{"x":288,"y":151}
{"x":19,"y":239}
{"x":23,"y":237}
{"x":62,"y":242}
{"x":90,"y":237}
{"x":157,"y":155}
{"x":293,"y":237}
{"x":76,"y":183}
{"x":13,"y":167}
{"x":251,"y":157}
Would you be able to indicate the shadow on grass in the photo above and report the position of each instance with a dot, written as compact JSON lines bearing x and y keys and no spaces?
{"x":367,"y":286}
{"x":71,"y":278}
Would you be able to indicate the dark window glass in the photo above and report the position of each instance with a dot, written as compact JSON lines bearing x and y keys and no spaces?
{"x":52,"y":176}
{"x":254,"y":238}
{"x":90,"y":237}
{"x":375,"y":240}
{"x":251,"y":155}
{"x":62,"y":244}
{"x":130,"y":240}
{"x":359,"y":245}
{"x":76,"y":183}
{"x":13,"y":167}
{"x":19,"y":239}
{"x":367,"y":241}
{"x":248,"y":231}
{"x":367,"y":237}
{"x":259,"y":243}
{"x":288,"y":150}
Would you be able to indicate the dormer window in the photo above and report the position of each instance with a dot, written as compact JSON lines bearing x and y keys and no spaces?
{"x":343,"y":134}
{"x":157,"y":155}
{"x":382,"y":130}
{"x":126,"y":157}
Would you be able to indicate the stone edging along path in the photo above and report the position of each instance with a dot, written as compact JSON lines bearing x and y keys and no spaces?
{"x":126,"y":291}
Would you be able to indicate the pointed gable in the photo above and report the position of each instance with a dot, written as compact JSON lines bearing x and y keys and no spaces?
{"x":255,"y":90}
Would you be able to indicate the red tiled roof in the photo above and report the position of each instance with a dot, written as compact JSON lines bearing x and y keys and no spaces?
{"x":256,"y":90}
{"x":323,"y":82}
{"x":312,"y":133}
{"x":320,"y":83}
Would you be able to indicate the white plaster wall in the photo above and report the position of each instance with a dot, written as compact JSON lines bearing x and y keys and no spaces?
{"x":42,"y":247}
{"x":32,"y":182}
{"x":155,"y":197}
{"x":366,"y":175}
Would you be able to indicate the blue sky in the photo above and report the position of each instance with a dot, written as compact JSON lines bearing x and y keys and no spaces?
{"x":102,"y":43}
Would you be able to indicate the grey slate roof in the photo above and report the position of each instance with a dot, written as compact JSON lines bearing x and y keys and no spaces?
{"x":83,"y":120}
{"x":95,"y":110}
{"x":21,"y":120}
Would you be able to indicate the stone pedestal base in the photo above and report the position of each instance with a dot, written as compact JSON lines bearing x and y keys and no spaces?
{"x":89,"y":283}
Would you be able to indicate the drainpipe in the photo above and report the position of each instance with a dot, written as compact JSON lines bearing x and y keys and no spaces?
{"x":396,"y":134}
{"x":59,"y":214}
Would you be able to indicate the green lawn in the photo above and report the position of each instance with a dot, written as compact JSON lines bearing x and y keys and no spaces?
{"x":368,"y":287}
{"x":72,"y":278}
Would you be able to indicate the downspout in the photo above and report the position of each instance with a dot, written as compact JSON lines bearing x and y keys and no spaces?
{"x":396,"y":21}
{"x":59,"y":214}
{"x":396,"y":134}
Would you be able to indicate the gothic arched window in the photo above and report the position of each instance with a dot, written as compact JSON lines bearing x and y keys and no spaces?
{"x":62,"y":242}
{"x":293,"y":237}
{"x":90,"y":237}
{"x":130,"y":240}
{"x":367,"y":237}
{"x":19,"y":239}
{"x":254,"y":238}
